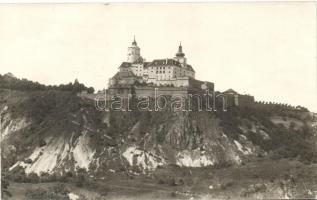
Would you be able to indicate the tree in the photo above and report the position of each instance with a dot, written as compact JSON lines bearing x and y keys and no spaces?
{"x":90,"y":90}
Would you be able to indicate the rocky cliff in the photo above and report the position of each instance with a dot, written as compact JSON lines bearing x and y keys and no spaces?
{"x":55,"y":132}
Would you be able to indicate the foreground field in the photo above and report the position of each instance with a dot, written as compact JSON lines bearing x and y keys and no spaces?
{"x":262,"y":179}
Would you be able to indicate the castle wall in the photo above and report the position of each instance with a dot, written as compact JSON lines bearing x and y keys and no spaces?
{"x":245,"y":100}
{"x":167,"y":91}
{"x":239,"y":100}
{"x":119,"y":91}
{"x":204,"y":85}
{"x":176,"y":82}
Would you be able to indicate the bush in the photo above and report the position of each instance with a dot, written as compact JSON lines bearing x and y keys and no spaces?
{"x":173,"y":194}
{"x":33,"y":178}
{"x":81,"y":177}
{"x":42,"y":143}
{"x":17,"y":175}
{"x":104,"y":191}
{"x":172,"y":182}
{"x":4,"y":186}
{"x":254,"y":188}
{"x":28,"y":161}
{"x":79,"y":184}
{"x":41,"y":194}
{"x":60,"y":189}
{"x":161,"y":181}
{"x":69,"y":174}
{"x":225,"y":185}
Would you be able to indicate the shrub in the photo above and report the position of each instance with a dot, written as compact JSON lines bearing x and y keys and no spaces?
{"x":33,"y":178}
{"x":225,"y":185}
{"x":69,"y":174}
{"x":161,"y":181}
{"x":41,"y":194}
{"x":42,"y":143}
{"x":104,"y":191}
{"x":79,"y":184}
{"x":172,"y":182}
{"x":60,"y":189}
{"x":4,"y":186}
{"x":28,"y":161}
{"x":173,"y":194}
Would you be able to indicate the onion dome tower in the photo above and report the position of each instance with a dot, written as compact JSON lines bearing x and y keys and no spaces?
{"x":180,"y":51}
{"x":180,"y":56}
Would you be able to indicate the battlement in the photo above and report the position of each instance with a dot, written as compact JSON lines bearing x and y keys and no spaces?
{"x":275,"y":105}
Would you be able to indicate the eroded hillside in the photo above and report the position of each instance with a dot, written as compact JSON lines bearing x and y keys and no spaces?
{"x":55,"y":133}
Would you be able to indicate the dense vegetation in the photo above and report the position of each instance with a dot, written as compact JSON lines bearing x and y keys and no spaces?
{"x":285,"y":142}
{"x":8,"y":81}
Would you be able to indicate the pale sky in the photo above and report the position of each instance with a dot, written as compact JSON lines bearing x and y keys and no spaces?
{"x":264,"y":49}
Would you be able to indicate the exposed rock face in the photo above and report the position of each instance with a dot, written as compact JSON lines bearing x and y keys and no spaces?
{"x":142,"y":159}
{"x":67,"y":133}
{"x":193,"y":158}
{"x":9,"y":125}
{"x":59,"y":154}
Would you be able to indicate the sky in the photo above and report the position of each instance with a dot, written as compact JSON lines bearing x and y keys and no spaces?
{"x":264,"y":49}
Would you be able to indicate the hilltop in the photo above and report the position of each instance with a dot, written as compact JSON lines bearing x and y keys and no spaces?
{"x":11,"y":82}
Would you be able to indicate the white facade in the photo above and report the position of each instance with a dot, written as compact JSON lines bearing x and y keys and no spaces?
{"x":138,"y":69}
{"x":168,"y":71}
{"x":172,"y":71}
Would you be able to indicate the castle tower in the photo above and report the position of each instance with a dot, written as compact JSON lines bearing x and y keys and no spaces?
{"x":134,"y":53}
{"x":180,"y":56}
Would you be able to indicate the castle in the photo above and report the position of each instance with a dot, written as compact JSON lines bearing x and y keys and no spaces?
{"x":167,"y":77}
{"x":171,"y":76}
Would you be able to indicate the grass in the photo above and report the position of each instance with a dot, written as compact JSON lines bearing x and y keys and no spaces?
{"x":266,"y":179}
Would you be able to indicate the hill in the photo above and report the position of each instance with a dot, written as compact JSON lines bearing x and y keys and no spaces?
{"x":51,"y":136}
{"x":9,"y":81}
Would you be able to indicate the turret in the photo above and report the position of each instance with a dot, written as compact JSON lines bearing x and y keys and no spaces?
{"x":180,"y":56}
{"x":180,"y":51}
{"x":134,"y":53}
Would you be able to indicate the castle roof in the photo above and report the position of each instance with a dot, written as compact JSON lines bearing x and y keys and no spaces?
{"x":124,"y":74}
{"x":230,"y":91}
{"x":158,"y":62}
{"x":180,"y":51}
{"x":134,"y":42}
{"x":146,"y":64}
{"x":190,"y":68}
{"x":125,"y":65}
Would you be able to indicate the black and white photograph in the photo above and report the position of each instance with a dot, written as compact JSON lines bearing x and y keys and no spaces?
{"x":158,"y":101}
